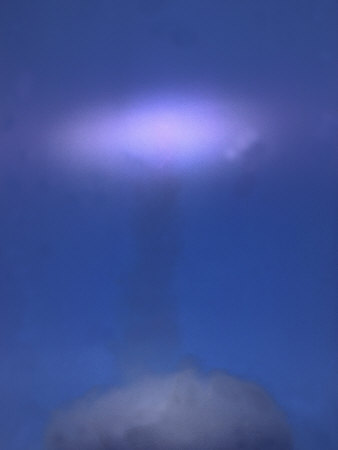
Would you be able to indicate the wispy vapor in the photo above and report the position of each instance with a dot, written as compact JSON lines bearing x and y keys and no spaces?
{"x":151,"y":335}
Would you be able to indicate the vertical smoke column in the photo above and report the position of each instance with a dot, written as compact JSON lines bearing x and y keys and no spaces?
{"x":156,"y":140}
{"x":151,"y":331}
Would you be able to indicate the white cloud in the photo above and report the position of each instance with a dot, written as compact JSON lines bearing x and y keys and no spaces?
{"x":180,"y":411}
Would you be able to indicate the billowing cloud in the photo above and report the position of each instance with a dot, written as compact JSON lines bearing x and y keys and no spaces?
{"x":182,"y":411}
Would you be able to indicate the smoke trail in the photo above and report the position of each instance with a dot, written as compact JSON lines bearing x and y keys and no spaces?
{"x":151,"y":331}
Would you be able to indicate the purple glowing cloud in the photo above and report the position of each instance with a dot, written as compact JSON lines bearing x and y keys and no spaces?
{"x":165,"y":130}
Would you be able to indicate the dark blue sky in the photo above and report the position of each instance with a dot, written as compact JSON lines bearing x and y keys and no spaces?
{"x":234,"y":268}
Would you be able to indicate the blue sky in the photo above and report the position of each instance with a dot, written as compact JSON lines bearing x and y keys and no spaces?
{"x":108,"y":271}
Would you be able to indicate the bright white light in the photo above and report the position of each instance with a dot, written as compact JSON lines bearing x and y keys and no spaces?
{"x":169,"y":131}
{"x":173,"y":131}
